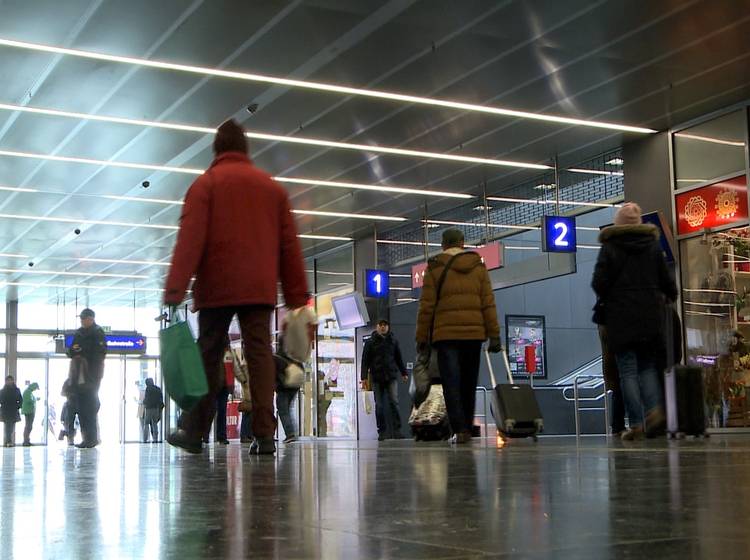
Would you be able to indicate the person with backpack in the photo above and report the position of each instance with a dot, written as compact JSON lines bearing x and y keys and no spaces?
{"x":633,"y":286}
{"x":153,"y":404}
{"x":456,"y":315}
{"x":28,"y":409}
{"x":10,"y":403}
{"x":238,"y":238}
{"x":382,"y":365}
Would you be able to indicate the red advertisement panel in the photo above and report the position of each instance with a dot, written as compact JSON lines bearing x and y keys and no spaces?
{"x":719,"y":204}
{"x":492,"y":257}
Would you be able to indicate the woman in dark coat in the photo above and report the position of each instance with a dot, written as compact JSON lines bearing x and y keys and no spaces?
{"x":633,"y":284}
{"x":10,"y":404}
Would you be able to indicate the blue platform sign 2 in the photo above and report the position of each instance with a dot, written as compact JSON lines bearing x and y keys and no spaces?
{"x":559,"y":234}
{"x":377,"y":283}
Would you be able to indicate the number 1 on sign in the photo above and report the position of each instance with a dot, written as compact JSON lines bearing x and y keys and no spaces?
{"x":378,"y":279}
{"x":561,"y":240}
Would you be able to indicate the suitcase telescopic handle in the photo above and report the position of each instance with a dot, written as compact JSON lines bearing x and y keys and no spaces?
{"x":493,"y":380}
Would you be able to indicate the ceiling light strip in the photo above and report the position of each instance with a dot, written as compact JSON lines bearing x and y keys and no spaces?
{"x":595,"y":171}
{"x":276,"y":137}
{"x":475,"y":224}
{"x":548,"y":202}
{"x":348,"y":215}
{"x":124,"y":261}
{"x":76,"y":287}
{"x":710,"y":139}
{"x":294,"y":180}
{"x":323,"y":237}
{"x":65,"y":273}
{"x":13,"y":256}
{"x":332,"y":88}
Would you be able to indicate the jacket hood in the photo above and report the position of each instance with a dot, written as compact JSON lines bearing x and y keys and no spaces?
{"x":463,"y":263}
{"x":632,"y":238}
{"x":34,"y":386}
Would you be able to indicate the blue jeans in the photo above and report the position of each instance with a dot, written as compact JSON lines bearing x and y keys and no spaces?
{"x":284,"y":401}
{"x":458,"y":362}
{"x":386,"y":399}
{"x":641,"y":387}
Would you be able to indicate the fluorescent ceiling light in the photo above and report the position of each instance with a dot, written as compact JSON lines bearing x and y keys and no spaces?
{"x":482,"y":208}
{"x":589,"y":246}
{"x":13,"y":256}
{"x":562,"y":202}
{"x":399,"y":275}
{"x":415,"y":243}
{"x":399,"y":289}
{"x":124,"y":261}
{"x":407,"y":300}
{"x":545,"y":187}
{"x":85,"y":222}
{"x":692,"y":180}
{"x":615,"y":161}
{"x":474,"y":224}
{"x":339,"y":283}
{"x":122,"y":164}
{"x":129,"y":198}
{"x":378,"y":188}
{"x":586,"y":228}
{"x":595,"y":171}
{"x":134,"y":225}
{"x":521,"y":248}
{"x":348,"y":215}
{"x":331,"y":273}
{"x":17,"y":189}
{"x":64,"y":273}
{"x":276,"y":137}
{"x":295,"y":180}
{"x":78,"y":287}
{"x":332,"y":88}
{"x":324,"y":237}
{"x":710,"y":139}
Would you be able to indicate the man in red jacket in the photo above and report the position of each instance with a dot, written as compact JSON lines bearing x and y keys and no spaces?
{"x":238,"y":237}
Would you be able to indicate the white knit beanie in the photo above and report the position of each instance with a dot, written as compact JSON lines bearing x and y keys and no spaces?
{"x":628,"y":215}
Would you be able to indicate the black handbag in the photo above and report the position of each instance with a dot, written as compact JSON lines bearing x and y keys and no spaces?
{"x":426,"y":367}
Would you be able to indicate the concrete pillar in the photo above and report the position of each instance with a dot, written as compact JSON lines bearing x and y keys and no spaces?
{"x":11,"y":338}
{"x":647,"y":174}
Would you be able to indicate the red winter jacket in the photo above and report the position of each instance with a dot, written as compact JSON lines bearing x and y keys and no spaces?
{"x":238,"y":237}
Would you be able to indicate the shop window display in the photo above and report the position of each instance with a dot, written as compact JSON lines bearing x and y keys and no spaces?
{"x":716,"y":315}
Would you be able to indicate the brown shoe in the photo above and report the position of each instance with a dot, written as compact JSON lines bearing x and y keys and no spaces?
{"x":656,"y":422}
{"x":462,"y":437}
{"x":633,"y":434}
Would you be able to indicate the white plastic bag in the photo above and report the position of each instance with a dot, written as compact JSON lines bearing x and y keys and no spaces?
{"x":298,"y":328}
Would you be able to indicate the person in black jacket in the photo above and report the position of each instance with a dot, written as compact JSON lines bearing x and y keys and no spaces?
{"x":10,"y":404}
{"x":633,"y":284}
{"x":153,"y":404}
{"x":88,"y":351}
{"x":382,"y":364}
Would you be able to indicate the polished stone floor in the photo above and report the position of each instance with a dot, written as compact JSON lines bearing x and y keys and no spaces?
{"x":553,"y":499}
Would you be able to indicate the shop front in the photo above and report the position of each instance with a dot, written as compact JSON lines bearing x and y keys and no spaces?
{"x":710,"y":198}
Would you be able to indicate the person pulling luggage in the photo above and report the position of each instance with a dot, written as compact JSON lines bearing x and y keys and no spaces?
{"x":456,"y":315}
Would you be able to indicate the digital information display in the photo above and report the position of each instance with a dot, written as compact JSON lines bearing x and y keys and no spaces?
{"x":119,"y":343}
{"x":377,"y":283}
{"x":559,"y":234}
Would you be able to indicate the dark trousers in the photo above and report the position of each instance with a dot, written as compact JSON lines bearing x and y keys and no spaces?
{"x":612,"y":383}
{"x":88,"y":408}
{"x":386,"y":405}
{"x":10,"y":427}
{"x":255,"y":323}
{"x":28,"y":425}
{"x":246,"y":430}
{"x":151,"y":417}
{"x":458,"y":362}
{"x":220,"y":423}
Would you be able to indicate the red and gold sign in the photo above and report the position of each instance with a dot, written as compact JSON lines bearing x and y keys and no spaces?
{"x":720,"y":204}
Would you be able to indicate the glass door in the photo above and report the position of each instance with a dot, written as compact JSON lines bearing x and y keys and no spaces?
{"x":137,"y":370}
{"x":33,"y":370}
{"x":57,"y":368}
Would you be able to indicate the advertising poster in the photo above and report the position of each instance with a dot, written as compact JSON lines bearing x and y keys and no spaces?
{"x":524,"y":331}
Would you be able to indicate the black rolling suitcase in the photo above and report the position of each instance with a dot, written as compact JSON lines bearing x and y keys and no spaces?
{"x":514,"y":407}
{"x":683,"y":388}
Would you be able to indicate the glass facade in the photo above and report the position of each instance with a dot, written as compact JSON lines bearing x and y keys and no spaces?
{"x":715,"y":262}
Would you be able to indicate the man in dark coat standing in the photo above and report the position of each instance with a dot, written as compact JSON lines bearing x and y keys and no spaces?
{"x":88,"y":350}
{"x":382,"y":364}
{"x":239,"y":239}
{"x":10,"y":404}
{"x":633,"y":284}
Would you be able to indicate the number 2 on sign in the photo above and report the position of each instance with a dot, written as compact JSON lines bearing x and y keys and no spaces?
{"x":560,"y":240}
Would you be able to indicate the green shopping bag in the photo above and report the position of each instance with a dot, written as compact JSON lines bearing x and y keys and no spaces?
{"x":182,"y":366}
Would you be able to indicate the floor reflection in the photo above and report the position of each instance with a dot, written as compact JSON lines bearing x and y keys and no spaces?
{"x":396,"y":500}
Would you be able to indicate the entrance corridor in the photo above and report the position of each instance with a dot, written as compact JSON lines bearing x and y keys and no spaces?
{"x":339,"y":499}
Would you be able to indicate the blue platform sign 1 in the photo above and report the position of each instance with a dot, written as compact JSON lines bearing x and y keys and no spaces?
{"x":559,"y":234}
{"x":377,"y":283}
{"x":119,"y":343}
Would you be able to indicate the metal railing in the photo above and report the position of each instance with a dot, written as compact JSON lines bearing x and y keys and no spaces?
{"x":593,"y":382}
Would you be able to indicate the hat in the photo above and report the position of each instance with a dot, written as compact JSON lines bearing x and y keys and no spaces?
{"x":87,"y":313}
{"x":628,"y":215}
{"x":453,"y":238}
{"x":230,"y":137}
